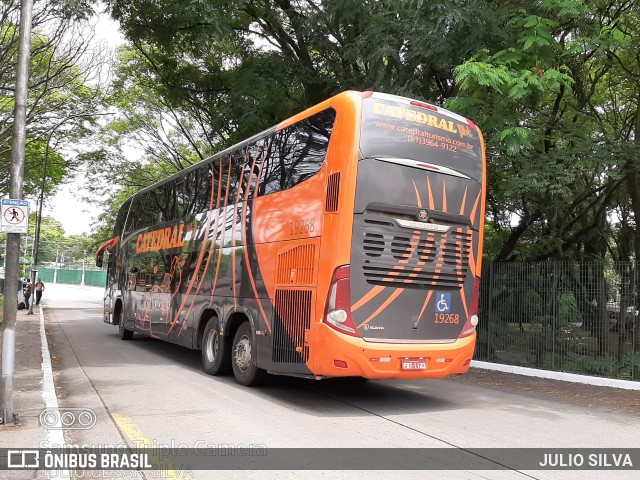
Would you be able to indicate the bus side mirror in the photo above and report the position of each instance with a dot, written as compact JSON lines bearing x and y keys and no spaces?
{"x":99,"y":258}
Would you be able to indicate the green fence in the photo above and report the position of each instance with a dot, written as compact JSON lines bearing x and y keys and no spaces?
{"x":97,"y":278}
{"x":572,"y":317}
{"x":46,"y":274}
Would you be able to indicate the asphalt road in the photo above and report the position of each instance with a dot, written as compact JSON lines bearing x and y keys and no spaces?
{"x":148,"y":391}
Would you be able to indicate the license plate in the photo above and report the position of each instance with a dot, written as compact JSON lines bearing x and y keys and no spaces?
{"x":414,"y":364}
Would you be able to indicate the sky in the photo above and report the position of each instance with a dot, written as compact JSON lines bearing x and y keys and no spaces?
{"x":66,"y":207}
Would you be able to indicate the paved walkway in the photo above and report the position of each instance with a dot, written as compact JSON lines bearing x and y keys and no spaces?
{"x":28,"y":400}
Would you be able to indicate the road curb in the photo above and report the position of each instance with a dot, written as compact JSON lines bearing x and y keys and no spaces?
{"x":563,"y":376}
{"x":55,"y":435}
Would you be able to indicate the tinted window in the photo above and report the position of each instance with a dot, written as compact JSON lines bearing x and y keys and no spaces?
{"x":251,"y":169}
{"x":122,"y":216}
{"x":198,"y":184}
{"x":296,"y":153}
{"x":144,"y":211}
{"x":391,"y":129}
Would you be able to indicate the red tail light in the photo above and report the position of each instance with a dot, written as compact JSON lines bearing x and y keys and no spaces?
{"x":415,"y":103}
{"x":337,"y":313}
{"x":472,"y":321}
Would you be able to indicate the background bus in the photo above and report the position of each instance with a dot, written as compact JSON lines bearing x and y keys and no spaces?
{"x":345,"y":241}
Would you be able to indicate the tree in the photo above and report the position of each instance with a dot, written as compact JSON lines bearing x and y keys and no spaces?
{"x":64,"y":81}
{"x":240,"y":67}
{"x":553,"y":127}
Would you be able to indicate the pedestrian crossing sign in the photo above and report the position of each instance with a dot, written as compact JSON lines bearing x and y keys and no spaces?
{"x":15,"y":216}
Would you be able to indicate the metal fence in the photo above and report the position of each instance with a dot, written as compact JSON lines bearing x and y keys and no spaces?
{"x":579,"y":317}
{"x":96,"y":278}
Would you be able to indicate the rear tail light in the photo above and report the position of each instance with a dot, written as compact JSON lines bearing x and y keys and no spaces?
{"x":337,"y":313}
{"x":472,"y":321}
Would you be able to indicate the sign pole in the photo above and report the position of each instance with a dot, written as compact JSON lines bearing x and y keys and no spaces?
{"x":10,"y":309}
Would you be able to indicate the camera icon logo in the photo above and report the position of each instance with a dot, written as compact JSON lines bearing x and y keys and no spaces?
{"x":68,"y":419}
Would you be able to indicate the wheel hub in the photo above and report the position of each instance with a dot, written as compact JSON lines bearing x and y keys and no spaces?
{"x":242,"y":354}
{"x":212,"y":345}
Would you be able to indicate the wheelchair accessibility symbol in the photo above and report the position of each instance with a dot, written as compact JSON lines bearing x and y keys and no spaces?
{"x":443,"y":302}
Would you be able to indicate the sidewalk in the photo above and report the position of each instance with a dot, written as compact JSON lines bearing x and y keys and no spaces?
{"x":28,"y":400}
{"x":34,"y":391}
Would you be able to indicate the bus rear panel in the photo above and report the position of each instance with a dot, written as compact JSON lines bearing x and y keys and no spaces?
{"x":413,"y":276}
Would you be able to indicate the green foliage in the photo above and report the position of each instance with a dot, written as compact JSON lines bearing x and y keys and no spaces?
{"x":557,"y":106}
{"x":62,"y":98}
{"x":602,"y":366}
{"x":245,"y":66}
{"x":553,"y":84}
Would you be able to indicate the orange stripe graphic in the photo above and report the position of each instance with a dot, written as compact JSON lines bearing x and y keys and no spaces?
{"x":391,"y":298}
{"x":226,"y":193}
{"x":233,"y":234}
{"x":415,"y":187}
{"x":444,"y":196}
{"x":464,"y":304}
{"x":464,"y":199}
{"x":473,"y":211}
{"x":206,"y":267}
{"x":370,"y":295}
{"x":472,"y":258}
{"x":426,"y":302}
{"x":196,"y":269}
{"x":431,"y":202}
{"x":246,"y":251}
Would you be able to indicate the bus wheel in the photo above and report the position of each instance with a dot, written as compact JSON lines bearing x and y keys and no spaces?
{"x":125,"y":334}
{"x":215,"y":352}
{"x":244,"y":357}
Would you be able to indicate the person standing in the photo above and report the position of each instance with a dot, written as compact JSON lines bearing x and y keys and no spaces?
{"x":26,"y":292}
{"x":39,"y":290}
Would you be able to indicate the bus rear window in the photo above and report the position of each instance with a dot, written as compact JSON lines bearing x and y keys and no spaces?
{"x":392,"y":129}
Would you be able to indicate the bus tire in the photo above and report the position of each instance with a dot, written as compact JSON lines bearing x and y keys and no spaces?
{"x":124,"y":333}
{"x":243,"y":357}
{"x":216,"y":359}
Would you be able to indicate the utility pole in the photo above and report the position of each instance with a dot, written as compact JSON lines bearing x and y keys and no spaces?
{"x":10,"y":309}
{"x":84,"y":255}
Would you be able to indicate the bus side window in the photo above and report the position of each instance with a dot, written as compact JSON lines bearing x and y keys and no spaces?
{"x":156,"y":206}
{"x":134,"y":219}
{"x":238,"y":159}
{"x":120,"y":218}
{"x":224,"y":165}
{"x":214,"y":169}
{"x":270,"y":178}
{"x":251,"y":169}
{"x":297,"y":152}
{"x":202,"y":189}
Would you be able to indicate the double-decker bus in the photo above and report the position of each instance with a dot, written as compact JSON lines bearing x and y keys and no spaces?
{"x":344,"y":241}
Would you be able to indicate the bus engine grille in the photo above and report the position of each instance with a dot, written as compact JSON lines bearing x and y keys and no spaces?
{"x":291,"y":323}
{"x":420,"y":260}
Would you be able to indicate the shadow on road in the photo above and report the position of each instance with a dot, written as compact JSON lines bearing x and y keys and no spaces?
{"x":330,"y":397}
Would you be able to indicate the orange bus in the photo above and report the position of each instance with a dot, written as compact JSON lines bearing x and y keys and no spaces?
{"x":345,"y":241}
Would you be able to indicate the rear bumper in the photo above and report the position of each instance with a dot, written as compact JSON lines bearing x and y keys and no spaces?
{"x":384,"y":360}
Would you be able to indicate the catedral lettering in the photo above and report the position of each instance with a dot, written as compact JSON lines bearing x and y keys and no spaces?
{"x":410,"y":115}
{"x":162,"y":239}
